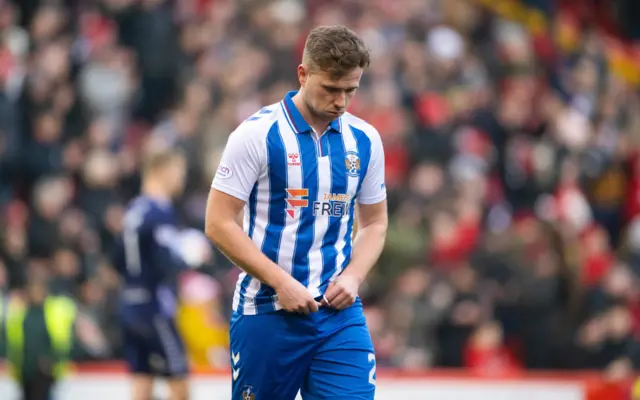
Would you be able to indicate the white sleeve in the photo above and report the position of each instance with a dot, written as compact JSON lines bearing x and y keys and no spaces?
{"x":373,"y":188}
{"x":169,"y":237}
{"x":240,"y":165}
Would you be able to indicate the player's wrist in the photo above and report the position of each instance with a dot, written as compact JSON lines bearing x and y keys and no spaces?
{"x":276,"y":278}
{"x":352,"y":273}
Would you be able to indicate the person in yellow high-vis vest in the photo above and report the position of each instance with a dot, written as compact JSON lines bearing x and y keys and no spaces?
{"x":39,"y":337}
{"x":1,"y":311}
{"x":2,"y":315}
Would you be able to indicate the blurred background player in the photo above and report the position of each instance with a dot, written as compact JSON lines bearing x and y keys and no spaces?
{"x":149,"y":260}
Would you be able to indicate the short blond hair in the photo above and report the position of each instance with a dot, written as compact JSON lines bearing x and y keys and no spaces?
{"x":156,"y":159}
{"x":335,"y":49}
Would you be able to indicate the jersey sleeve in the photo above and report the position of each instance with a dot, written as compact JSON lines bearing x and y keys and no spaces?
{"x":167,"y":237}
{"x":373,"y":188}
{"x":240,"y":165}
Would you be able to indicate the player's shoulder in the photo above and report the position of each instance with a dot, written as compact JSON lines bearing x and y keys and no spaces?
{"x":257,"y":126}
{"x":360,"y":124}
{"x":353,"y":122}
{"x":148,"y":211}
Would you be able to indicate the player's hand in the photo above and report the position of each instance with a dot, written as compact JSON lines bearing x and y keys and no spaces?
{"x":294,"y":297}
{"x":342,"y":292}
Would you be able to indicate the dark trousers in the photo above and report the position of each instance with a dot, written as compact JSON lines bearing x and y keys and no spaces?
{"x":37,"y":387}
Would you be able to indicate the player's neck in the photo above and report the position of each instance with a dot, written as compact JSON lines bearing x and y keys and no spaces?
{"x":318,"y":125}
{"x":155,"y":191}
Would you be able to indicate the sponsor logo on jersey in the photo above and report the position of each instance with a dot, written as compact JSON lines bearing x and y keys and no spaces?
{"x":296,"y":200}
{"x":328,"y":205}
{"x":224,"y":171}
{"x":332,"y":205}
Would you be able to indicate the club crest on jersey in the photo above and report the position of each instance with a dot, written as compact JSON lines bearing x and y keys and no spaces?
{"x":248,"y":393}
{"x":352,"y":163}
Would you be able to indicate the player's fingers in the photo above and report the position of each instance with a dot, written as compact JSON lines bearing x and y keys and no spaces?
{"x":290,"y":306}
{"x":312,"y":305}
{"x":339,"y":298}
{"x":344,"y":304}
{"x":347,"y":304}
{"x":344,"y":300}
{"x":332,"y":293}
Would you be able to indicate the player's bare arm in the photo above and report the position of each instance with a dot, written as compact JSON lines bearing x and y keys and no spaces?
{"x":222,"y":229}
{"x":367,"y":246}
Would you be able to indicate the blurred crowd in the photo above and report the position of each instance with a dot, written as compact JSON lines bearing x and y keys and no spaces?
{"x":513,"y":168}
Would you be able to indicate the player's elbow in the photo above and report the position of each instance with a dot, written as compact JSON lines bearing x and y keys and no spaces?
{"x":383,"y":225}
{"x":380,"y":227}
{"x":378,"y":224}
{"x":220,"y":217}
{"x":213,"y":231}
{"x":216,"y":229}
{"x":214,"y":223}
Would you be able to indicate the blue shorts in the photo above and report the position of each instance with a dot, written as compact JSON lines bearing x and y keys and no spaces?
{"x":327,"y":355}
{"x":153,"y":346}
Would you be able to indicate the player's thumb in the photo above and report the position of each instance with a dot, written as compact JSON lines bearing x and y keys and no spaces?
{"x":314,"y":305}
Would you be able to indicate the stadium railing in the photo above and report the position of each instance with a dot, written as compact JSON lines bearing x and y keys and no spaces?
{"x":100,"y":381}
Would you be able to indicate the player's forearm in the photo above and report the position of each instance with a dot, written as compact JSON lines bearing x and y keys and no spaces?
{"x":367,"y":247}
{"x":231,"y":240}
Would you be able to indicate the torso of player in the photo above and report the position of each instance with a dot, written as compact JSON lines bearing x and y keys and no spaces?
{"x":149,"y":226}
{"x":300,"y":189}
{"x":301,"y":211}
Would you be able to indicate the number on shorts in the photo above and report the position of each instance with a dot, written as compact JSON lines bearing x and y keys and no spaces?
{"x":372,"y":373}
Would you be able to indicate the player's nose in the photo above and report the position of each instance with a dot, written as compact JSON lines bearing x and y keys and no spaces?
{"x":340,"y":101}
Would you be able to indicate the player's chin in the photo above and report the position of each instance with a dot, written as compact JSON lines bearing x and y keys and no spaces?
{"x":334,"y":114}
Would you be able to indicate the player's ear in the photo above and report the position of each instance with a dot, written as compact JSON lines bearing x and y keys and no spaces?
{"x":303,"y":74}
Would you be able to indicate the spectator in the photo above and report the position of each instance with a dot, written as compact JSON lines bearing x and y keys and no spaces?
{"x":486,"y":352}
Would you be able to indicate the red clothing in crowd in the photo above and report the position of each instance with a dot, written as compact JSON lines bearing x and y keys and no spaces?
{"x":633,"y":188}
{"x":595,"y":267}
{"x":457,"y":247}
{"x":598,"y":258}
{"x":493,"y":361}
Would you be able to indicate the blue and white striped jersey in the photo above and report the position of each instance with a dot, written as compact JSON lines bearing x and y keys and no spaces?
{"x":300,"y":189}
